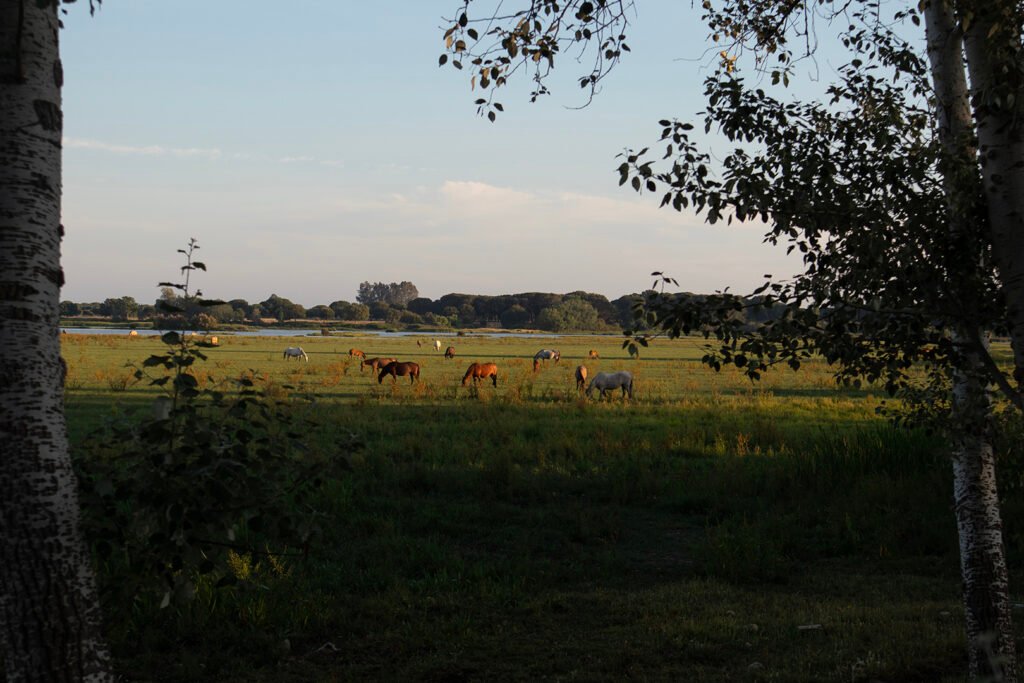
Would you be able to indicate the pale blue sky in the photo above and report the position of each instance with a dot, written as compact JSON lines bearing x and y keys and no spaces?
{"x":313,"y":145}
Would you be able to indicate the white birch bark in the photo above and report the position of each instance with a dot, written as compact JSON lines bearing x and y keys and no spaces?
{"x":986,"y":594}
{"x":995,"y":61}
{"x":49,"y":613}
{"x":992,"y":653}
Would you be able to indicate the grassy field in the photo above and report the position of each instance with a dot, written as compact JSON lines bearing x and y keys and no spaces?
{"x":709,"y":529}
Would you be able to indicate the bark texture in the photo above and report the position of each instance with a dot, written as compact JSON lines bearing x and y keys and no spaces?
{"x":49,"y":613}
{"x":986,"y":591}
{"x":992,"y":654}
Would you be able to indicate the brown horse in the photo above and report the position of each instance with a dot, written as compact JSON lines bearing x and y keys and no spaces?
{"x":396,"y":369}
{"x":593,"y":354}
{"x":375,"y":363}
{"x":479,"y":371}
{"x":449,"y":352}
{"x":357,"y":353}
{"x":581,"y":376}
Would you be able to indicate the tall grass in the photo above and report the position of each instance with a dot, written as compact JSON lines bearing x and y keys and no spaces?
{"x":524,"y":532}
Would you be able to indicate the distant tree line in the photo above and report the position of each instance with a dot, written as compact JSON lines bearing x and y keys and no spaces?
{"x":394,"y":293}
{"x":397,"y":304}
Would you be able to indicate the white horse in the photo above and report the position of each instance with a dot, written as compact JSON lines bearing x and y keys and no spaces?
{"x":437,"y":344}
{"x":295,"y":352}
{"x":548,"y":354}
{"x":609,"y":381}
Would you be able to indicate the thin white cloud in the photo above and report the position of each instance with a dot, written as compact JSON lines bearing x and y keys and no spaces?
{"x":296,"y":160}
{"x":147,"y":150}
{"x":471,"y":193}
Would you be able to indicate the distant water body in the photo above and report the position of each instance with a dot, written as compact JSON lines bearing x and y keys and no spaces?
{"x":316,"y":333}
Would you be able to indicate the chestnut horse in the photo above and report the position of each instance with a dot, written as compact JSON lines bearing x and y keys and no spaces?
{"x":449,"y":352}
{"x":375,"y":363}
{"x":581,"y":377}
{"x":396,"y":369}
{"x":593,"y":354}
{"x":479,"y":371}
{"x":357,"y":353}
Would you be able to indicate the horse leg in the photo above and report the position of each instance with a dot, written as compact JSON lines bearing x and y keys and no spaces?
{"x":494,"y":379}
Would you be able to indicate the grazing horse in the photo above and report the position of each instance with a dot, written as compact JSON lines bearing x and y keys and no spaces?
{"x":295,"y":352}
{"x":479,"y":371}
{"x":375,"y":363}
{"x":396,"y":369}
{"x":449,"y":352}
{"x":547,"y":354}
{"x":605,"y":382}
{"x":581,"y":377}
{"x":357,"y":353}
{"x":437,"y":344}
{"x":593,"y":354}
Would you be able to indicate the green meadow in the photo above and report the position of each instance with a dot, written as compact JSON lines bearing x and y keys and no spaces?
{"x":709,"y":529}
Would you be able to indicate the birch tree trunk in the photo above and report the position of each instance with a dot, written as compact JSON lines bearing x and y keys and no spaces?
{"x":49,"y":613}
{"x":995,"y":60}
{"x":992,"y":653}
{"x":986,"y":591}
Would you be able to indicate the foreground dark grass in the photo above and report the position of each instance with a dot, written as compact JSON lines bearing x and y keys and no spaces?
{"x":525,"y":534}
